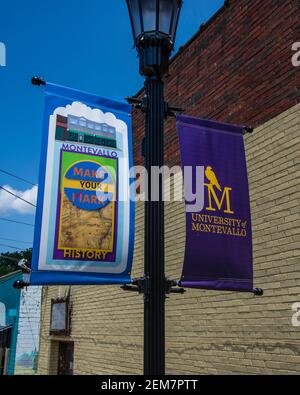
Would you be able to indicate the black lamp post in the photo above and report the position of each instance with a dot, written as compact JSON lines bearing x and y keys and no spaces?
{"x":154,"y":25}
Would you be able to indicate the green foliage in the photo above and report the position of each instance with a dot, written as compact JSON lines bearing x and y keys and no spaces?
{"x":9,"y":260}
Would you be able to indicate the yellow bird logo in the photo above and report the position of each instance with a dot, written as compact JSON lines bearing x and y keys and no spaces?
{"x":212,"y":178}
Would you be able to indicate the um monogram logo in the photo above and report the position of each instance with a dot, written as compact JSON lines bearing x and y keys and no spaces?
{"x":213,"y":198}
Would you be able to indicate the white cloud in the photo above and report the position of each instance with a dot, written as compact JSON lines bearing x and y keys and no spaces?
{"x":81,"y":110}
{"x":9,"y":203}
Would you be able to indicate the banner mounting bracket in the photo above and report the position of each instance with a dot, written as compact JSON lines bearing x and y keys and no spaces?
{"x":142,"y":104}
{"x":20,"y":284}
{"x":258,"y":292}
{"x":142,"y":286}
{"x":38,"y":81}
{"x":248,"y":130}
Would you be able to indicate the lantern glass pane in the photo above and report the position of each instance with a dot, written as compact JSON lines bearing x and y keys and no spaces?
{"x":175,"y":19}
{"x":165,"y":15}
{"x":136,"y":18}
{"x":149,"y":13}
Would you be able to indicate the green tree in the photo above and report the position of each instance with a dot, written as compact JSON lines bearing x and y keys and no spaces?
{"x":9,"y":260}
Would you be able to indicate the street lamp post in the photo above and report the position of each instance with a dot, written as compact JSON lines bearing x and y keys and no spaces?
{"x":154,"y":25}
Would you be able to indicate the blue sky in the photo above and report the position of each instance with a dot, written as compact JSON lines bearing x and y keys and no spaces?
{"x":86,"y":45}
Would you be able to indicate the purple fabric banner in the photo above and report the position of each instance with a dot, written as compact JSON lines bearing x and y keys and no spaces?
{"x":218,"y":252}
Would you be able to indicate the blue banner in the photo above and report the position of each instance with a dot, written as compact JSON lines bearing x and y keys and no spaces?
{"x":84,"y":229}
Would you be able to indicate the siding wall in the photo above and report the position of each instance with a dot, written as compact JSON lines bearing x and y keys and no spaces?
{"x":28,"y":330}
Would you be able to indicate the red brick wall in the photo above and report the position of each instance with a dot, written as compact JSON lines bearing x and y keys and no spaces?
{"x":237,"y":69}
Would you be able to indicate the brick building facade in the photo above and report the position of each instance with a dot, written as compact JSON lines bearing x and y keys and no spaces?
{"x":236,"y":69}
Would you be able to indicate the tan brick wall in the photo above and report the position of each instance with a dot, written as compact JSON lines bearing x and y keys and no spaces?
{"x":107,"y":327}
{"x":207,"y":331}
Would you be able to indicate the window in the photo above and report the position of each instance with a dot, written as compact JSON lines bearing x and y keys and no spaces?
{"x":82,"y":122}
{"x":60,"y":317}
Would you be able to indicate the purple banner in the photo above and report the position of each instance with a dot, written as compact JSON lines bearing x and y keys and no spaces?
{"x":218,"y":253}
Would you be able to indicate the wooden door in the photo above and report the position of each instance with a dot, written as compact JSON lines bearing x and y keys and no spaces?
{"x":65,"y":358}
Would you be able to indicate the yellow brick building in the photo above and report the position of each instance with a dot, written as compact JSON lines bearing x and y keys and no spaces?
{"x":210,"y":332}
{"x":206,"y":331}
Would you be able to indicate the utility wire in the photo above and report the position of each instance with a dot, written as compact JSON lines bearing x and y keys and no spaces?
{"x":16,"y":196}
{"x":29,"y":322}
{"x":8,"y":246}
{"x":16,"y":222}
{"x":18,"y":241}
{"x":17,"y":177}
{"x":9,"y":258}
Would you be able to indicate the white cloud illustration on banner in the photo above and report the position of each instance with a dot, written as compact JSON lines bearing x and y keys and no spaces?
{"x":10,"y":203}
{"x":96,"y":115}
